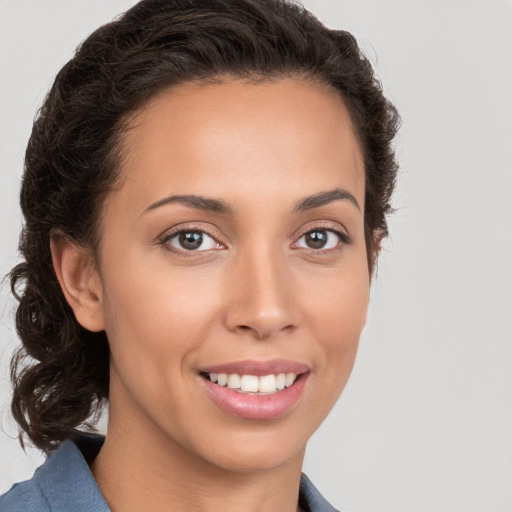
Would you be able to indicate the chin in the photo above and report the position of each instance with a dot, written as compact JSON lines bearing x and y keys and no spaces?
{"x":250,"y":450}
{"x":256,"y":460}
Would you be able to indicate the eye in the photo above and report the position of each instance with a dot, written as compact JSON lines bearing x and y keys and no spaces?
{"x":321,"y":239}
{"x":192,"y":240}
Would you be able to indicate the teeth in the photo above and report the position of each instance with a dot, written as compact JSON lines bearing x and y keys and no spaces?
{"x":234,"y":381}
{"x":249,"y":383}
{"x":252,"y":384}
{"x":290,"y":379}
{"x":267,"y":384}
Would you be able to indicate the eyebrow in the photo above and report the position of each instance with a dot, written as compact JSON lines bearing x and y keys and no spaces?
{"x":199,"y":202}
{"x":323,"y":198}
{"x":219,"y":206}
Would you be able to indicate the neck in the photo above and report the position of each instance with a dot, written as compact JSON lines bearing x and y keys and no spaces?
{"x":153,"y":472}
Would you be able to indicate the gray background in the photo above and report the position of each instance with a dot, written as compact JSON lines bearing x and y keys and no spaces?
{"x":425,"y":423}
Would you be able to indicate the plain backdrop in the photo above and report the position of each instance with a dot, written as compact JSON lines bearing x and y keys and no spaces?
{"x":425,"y":423}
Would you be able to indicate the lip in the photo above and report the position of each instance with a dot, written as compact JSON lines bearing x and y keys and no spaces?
{"x":257,"y":407}
{"x":258,"y":368}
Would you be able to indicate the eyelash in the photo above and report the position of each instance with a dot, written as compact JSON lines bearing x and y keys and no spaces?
{"x":165,"y":241}
{"x":344,"y":239}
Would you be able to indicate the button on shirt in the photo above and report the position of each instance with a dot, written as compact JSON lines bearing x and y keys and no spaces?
{"x":64,"y":483}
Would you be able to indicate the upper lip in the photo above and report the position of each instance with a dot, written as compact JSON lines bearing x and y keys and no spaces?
{"x":259,"y":368}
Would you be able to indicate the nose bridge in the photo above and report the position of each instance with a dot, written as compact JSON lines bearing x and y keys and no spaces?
{"x":261,"y":291}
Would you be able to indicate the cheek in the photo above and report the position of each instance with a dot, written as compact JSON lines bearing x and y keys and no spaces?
{"x":338,"y":315}
{"x":339,"y":301}
{"x":151,"y":309}
{"x":156,"y":319}
{"x":343,"y":315}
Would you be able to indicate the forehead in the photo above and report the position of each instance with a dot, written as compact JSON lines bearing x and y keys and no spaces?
{"x":290,"y":133}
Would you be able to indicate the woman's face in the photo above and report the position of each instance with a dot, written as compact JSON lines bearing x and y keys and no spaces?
{"x":234,"y":246}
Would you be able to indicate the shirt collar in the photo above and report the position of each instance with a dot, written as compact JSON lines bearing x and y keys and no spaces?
{"x":67,"y":482}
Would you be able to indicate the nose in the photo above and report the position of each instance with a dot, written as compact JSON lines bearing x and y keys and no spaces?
{"x":261,"y":296}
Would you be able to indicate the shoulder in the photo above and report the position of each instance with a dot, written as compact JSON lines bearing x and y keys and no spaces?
{"x":24,"y":497}
{"x":310,"y":498}
{"x":63,"y":483}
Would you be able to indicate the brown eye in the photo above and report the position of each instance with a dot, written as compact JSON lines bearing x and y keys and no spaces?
{"x":192,"y":241}
{"x":320,"y":239}
{"x":316,"y":239}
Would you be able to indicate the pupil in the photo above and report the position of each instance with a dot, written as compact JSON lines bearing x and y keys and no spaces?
{"x":316,"y":239}
{"x":191,"y":240}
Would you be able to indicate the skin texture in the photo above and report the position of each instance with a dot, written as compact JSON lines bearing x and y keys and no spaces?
{"x":257,"y":291}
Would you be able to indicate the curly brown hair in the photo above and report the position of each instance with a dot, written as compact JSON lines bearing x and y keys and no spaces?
{"x":61,"y":372}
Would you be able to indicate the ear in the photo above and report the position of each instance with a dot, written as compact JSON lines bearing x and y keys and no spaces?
{"x":378,"y":236}
{"x":80,"y":281}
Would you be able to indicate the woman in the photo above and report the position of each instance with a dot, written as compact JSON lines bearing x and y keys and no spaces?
{"x":204,"y":196}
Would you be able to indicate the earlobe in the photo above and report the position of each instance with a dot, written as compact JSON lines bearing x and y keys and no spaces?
{"x":378,"y":236}
{"x":79,"y":280}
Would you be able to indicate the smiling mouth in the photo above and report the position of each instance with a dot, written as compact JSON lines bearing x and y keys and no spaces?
{"x":248,"y":384}
{"x":256,"y":390}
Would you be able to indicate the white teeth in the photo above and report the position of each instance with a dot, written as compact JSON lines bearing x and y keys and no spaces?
{"x":249,"y":383}
{"x":267,"y":384}
{"x":252,"y":384}
{"x":234,"y":381}
{"x":290,"y":379}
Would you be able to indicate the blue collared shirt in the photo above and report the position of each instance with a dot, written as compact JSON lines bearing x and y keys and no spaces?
{"x":64,"y":483}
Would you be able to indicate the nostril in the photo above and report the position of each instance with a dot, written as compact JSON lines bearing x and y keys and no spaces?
{"x":260,"y":317}
{"x":264,"y":332}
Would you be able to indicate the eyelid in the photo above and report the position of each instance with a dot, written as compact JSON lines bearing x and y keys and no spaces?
{"x":344,"y":239}
{"x":176,"y":230}
{"x":336,"y":227}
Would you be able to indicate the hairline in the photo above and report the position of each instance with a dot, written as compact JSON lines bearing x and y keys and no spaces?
{"x":130,"y":120}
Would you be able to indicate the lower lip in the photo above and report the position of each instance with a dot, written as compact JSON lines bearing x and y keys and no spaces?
{"x":256,"y":407}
